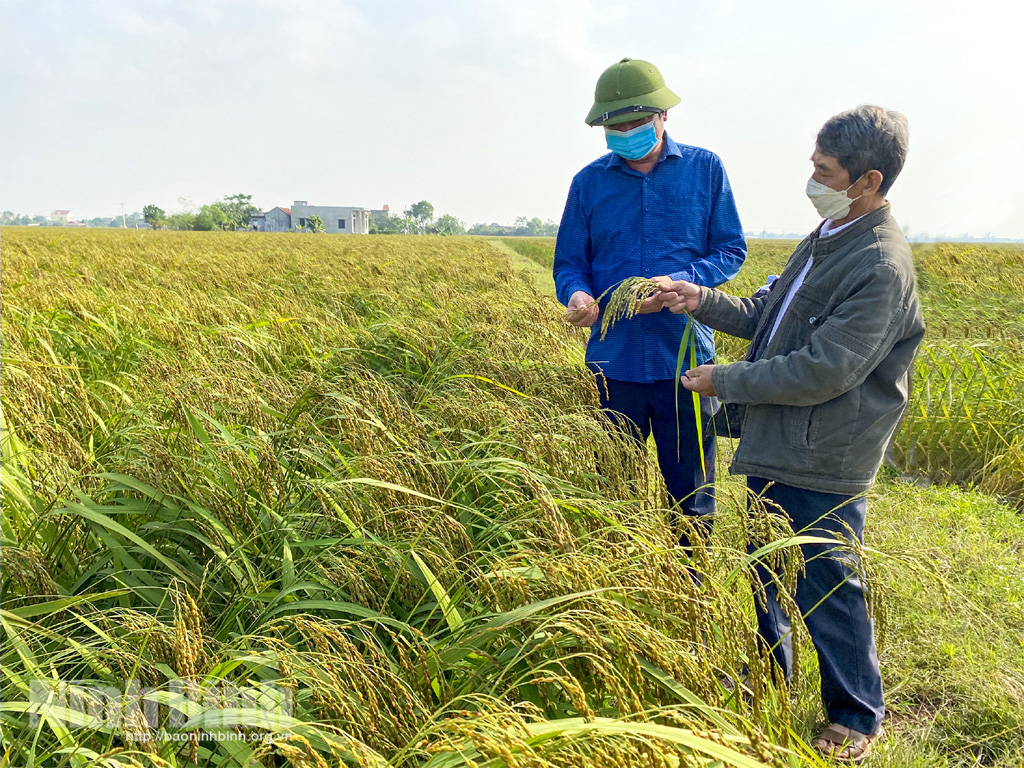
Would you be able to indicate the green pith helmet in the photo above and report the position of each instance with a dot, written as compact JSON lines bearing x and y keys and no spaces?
{"x":627,"y":90}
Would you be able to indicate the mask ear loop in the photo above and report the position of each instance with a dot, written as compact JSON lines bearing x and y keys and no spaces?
{"x":858,"y":197}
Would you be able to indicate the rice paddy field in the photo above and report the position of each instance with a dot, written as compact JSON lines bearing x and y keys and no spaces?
{"x":360,"y":475}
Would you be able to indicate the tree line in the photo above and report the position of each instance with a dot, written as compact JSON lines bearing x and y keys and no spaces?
{"x":130,"y":220}
{"x":233,"y":212}
{"x":523,"y":227}
{"x":236,"y":211}
{"x":419,"y":219}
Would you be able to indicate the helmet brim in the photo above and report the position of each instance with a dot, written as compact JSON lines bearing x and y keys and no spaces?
{"x":662,"y":99}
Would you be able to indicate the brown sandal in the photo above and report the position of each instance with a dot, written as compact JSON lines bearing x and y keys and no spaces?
{"x":842,"y":743}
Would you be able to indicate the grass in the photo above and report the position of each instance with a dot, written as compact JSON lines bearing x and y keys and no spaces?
{"x":538,"y":271}
{"x":954,"y":650}
{"x":364,"y":470}
{"x":538,"y":249}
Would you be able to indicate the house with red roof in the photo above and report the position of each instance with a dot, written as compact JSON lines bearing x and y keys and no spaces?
{"x":344,"y":220}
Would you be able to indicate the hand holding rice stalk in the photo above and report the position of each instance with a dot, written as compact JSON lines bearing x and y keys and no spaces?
{"x":625,"y":302}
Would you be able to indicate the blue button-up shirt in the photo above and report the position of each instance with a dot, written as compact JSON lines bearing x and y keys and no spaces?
{"x":679,"y":220}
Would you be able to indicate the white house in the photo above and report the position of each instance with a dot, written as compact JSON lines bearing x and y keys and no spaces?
{"x":337,"y":219}
{"x":63,"y":217}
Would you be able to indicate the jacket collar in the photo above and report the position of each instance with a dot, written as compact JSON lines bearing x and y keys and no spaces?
{"x":821,"y":246}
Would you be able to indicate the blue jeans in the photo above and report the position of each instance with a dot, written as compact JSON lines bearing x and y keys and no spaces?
{"x":643,"y":408}
{"x":832,"y":602}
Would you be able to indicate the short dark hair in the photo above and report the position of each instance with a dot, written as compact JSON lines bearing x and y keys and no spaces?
{"x":867,"y":138}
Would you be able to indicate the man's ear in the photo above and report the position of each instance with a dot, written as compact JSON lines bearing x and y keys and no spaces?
{"x":664,"y":116}
{"x":872,"y":182}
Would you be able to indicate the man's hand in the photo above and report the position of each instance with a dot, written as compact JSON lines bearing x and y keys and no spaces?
{"x":699,"y":380}
{"x":581,"y":310}
{"x":654,"y":303}
{"x":657,"y":302}
{"x":678,"y":295}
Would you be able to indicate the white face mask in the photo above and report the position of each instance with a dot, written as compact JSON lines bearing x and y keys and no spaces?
{"x":830,"y":203}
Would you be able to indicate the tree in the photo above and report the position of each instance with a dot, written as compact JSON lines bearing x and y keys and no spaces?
{"x":154,"y":216}
{"x":203,"y":221}
{"x":315,"y":224}
{"x":487,"y":229}
{"x":422,"y":213}
{"x":209,"y":217}
{"x":535,"y":227}
{"x":14,"y":219}
{"x":183,"y":220}
{"x":550,"y":229}
{"x":386,"y":224}
{"x":448,"y":225}
{"x":239,"y":210}
{"x":213,"y":215}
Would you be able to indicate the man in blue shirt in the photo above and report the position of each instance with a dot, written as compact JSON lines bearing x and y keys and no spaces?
{"x":650,"y":208}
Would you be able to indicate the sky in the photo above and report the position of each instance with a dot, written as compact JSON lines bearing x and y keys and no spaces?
{"x":479,"y":106}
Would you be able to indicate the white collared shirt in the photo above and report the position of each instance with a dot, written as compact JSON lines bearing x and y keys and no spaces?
{"x":828,"y":229}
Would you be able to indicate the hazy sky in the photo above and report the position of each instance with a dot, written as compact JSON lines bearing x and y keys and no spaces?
{"x":478,"y":106}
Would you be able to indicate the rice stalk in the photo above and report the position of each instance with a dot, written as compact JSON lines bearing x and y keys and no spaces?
{"x":624,"y":303}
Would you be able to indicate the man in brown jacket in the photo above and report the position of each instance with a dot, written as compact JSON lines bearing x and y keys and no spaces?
{"x":822,"y":391}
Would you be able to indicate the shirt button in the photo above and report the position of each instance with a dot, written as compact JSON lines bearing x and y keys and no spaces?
{"x":813,"y":320}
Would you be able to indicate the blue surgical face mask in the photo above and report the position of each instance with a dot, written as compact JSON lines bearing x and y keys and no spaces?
{"x":633,"y":144}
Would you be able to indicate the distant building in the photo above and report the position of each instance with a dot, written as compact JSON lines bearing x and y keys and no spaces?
{"x":64,"y":217}
{"x":345,"y":220}
{"x":275,"y":220}
{"x":381,"y":213}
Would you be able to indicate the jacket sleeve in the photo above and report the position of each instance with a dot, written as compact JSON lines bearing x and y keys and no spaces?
{"x":725,"y":249}
{"x":730,"y":314}
{"x":842,"y":352}
{"x":572,"y":250}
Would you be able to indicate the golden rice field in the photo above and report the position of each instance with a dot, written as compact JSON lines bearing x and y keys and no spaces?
{"x":361,"y":473}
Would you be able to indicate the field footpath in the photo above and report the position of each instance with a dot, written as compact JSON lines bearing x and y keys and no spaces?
{"x":541,"y":276}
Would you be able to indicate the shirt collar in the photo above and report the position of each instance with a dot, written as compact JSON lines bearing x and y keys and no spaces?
{"x":828,"y":228}
{"x":670,"y":148}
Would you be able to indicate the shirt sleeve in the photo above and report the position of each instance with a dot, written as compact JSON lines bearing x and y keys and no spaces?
{"x":572,"y":250}
{"x":726,"y":248}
